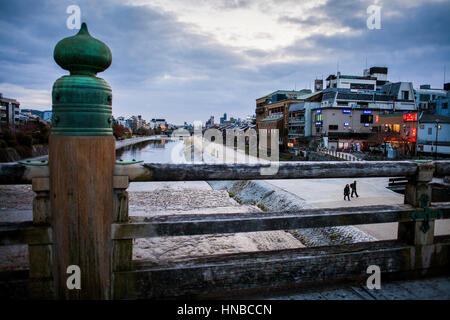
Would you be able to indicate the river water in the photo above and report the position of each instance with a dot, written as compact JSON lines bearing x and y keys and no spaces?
{"x":155,"y":151}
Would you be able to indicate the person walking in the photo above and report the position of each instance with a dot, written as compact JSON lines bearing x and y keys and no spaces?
{"x":347,"y":192}
{"x":353,"y":185}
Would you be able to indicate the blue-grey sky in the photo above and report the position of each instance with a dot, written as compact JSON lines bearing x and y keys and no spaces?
{"x":185,"y":60}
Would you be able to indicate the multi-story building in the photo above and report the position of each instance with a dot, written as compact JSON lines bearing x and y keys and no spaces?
{"x":272,"y":111}
{"x":399,"y":130}
{"x":9,"y":112}
{"x":223,"y":119}
{"x":318,"y":85}
{"x":41,"y":115}
{"x":373,"y":79}
{"x":440,"y":106}
{"x":433,"y":137}
{"x":299,"y":133}
{"x":345,"y":118}
{"x":155,"y":123}
{"x":425,"y":95}
{"x":121,"y":121}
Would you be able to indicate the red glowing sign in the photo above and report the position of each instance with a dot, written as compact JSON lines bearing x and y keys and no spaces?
{"x":414,"y":132}
{"x":376,"y":118}
{"x":410,"y":117}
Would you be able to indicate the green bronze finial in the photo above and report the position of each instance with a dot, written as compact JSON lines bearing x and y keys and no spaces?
{"x":82,"y":102}
{"x":82,"y":54}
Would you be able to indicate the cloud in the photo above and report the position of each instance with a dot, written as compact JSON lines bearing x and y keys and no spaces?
{"x":31,"y":98}
{"x":185,"y":60}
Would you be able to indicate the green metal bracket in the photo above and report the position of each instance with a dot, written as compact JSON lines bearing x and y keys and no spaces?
{"x":34,"y":163}
{"x":426,"y":214}
{"x":122,"y":162}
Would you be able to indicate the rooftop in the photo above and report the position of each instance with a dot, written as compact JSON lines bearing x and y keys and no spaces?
{"x":431,"y":118}
{"x":287,"y":92}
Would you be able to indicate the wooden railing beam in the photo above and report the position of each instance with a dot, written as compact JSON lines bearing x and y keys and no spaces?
{"x":183,"y":225}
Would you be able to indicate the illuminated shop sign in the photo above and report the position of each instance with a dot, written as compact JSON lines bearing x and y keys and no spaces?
{"x":319,"y":111}
{"x":318,"y":123}
{"x":366,"y":124}
{"x":345,"y":124}
{"x":410,"y":117}
{"x":376,"y":118}
{"x":367,"y":111}
{"x":346,"y":111}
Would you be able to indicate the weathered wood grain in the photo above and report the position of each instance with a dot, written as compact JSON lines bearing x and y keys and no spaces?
{"x":15,"y":173}
{"x":247,"y":171}
{"x":24,"y":233}
{"x":223,"y":274}
{"x":81,"y":193}
{"x":180,"y":225}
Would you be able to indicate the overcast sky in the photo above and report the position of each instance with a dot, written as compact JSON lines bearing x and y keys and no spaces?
{"x":185,"y":60}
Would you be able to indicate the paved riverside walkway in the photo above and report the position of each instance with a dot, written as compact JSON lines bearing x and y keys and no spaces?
{"x":433,"y":288}
{"x":328,"y":193}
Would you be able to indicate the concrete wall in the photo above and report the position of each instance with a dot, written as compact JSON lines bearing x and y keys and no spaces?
{"x":335,"y":116}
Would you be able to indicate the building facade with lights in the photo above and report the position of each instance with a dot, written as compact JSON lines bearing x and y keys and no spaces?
{"x":433,"y":135}
{"x":346,"y":118}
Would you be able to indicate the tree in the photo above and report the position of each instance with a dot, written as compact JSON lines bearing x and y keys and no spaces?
{"x":118,"y":130}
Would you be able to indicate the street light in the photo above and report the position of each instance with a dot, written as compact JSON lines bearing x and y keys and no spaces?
{"x":438,"y":127}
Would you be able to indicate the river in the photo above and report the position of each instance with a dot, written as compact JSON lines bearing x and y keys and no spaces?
{"x":161,"y":151}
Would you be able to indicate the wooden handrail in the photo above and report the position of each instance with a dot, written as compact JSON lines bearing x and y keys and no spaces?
{"x":285,"y":170}
{"x":16,"y":173}
{"x":183,"y":225}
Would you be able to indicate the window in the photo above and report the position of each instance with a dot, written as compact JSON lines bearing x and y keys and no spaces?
{"x":444,"y":105}
{"x":424,"y":97}
{"x":366,"y":118}
{"x":396,"y":128}
{"x":422,"y":126}
{"x":332,"y":127}
{"x":405,"y":95}
{"x":366,"y":86}
{"x":430,"y":131}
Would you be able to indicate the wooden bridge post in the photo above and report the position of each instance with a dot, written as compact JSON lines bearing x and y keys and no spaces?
{"x":81,"y":160}
{"x":122,"y":250}
{"x":41,"y":256}
{"x":417,"y":191}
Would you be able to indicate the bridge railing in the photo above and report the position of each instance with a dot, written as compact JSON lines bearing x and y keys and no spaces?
{"x":415,"y":250}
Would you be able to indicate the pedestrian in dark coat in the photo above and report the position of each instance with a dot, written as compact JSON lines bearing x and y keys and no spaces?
{"x":353,"y":185}
{"x":347,"y":192}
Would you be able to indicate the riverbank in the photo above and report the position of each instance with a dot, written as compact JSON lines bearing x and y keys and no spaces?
{"x":130,"y":141}
{"x":40,"y":152}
